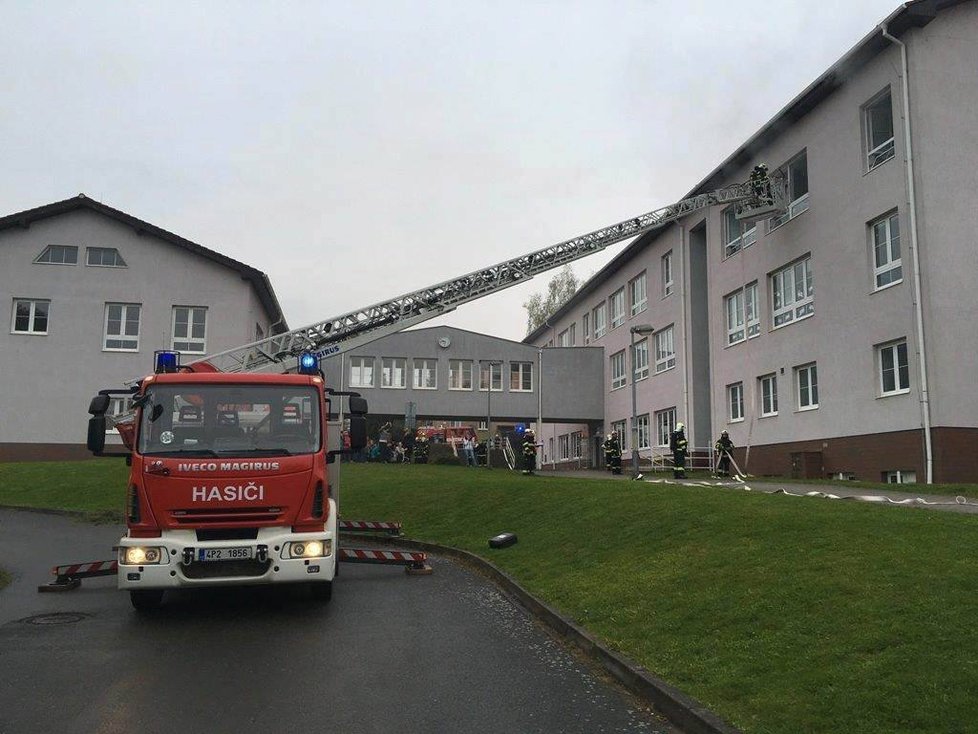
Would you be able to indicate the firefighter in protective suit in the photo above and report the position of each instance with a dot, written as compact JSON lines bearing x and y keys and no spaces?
{"x":723,"y":448}
{"x":680,"y":448}
{"x":529,"y":452}
{"x":612,"y":453}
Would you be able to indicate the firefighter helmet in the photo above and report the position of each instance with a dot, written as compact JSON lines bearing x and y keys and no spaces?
{"x":680,"y":427}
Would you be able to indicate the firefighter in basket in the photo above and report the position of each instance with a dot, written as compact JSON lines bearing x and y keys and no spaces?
{"x":680,"y":448}
{"x":723,"y":448}
{"x":529,"y":451}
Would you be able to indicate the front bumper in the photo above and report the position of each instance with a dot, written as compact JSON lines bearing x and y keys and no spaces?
{"x":179,"y":566}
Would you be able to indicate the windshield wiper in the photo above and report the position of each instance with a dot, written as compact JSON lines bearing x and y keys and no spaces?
{"x":270,"y":452}
{"x":178,"y":452}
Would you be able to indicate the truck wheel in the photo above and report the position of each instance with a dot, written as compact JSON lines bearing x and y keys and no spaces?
{"x":146,"y":600}
{"x":321,"y":590}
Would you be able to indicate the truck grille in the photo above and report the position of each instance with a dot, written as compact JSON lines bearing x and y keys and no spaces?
{"x":226,"y":569}
{"x":196,"y":516}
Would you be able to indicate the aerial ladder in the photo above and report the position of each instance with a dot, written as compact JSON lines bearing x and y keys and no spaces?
{"x":763,"y":195}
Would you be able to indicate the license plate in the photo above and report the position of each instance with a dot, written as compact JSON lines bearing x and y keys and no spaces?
{"x":225,"y":554}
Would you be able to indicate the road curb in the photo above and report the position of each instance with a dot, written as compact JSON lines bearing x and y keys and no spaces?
{"x":684,"y":711}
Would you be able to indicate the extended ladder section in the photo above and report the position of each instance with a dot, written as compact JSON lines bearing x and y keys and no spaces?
{"x":761,"y":196}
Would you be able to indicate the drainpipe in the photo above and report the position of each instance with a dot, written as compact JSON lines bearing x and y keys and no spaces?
{"x":914,"y":248}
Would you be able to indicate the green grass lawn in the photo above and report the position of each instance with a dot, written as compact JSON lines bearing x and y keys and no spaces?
{"x":781,"y":614}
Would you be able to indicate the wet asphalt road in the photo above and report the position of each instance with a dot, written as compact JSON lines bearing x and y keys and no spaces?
{"x":441,"y":653}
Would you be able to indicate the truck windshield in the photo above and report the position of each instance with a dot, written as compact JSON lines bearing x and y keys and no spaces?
{"x":229,"y":420}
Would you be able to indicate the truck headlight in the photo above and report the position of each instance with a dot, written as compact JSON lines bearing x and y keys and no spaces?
{"x":308,"y":549}
{"x":139,"y":555}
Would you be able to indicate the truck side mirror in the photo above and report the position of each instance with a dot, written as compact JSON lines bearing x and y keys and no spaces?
{"x":358,"y":431}
{"x":99,"y":405}
{"x":358,"y":406}
{"x":96,"y":433}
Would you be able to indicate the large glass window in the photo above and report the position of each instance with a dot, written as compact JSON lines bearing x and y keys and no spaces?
{"x":665,"y":352}
{"x":743,"y":320}
{"x":495,"y":370}
{"x":460,"y":374}
{"x":425,"y":374}
{"x":769,"y":395}
{"x":586,"y":328}
{"x":796,"y":173}
{"x":806,"y":383}
{"x":121,"y":327}
{"x":887,"y":263}
{"x":214,"y":422}
{"x":894,"y":368}
{"x":361,"y":371}
{"x":639,"y":295}
{"x":189,"y":329}
{"x":878,"y":124}
{"x":30,"y":316}
{"x":618,"y":370}
{"x":600,"y":320}
{"x":665,"y":424}
{"x":104,"y":257}
{"x":521,"y":376}
{"x":793,"y":292}
{"x":640,"y":360}
{"x":736,"y":234}
{"x":618,"y":308}
{"x":58,"y":255}
{"x":735,"y":402}
{"x":667,"y":274}
{"x":393,"y":373}
{"x":642,"y":426}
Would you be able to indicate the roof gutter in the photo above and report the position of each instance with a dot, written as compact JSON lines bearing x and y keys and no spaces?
{"x":914,"y":248}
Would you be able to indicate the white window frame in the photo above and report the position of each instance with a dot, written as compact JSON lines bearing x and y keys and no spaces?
{"x":665,"y":349}
{"x":617,"y":302}
{"x":640,"y":360}
{"x":522,"y":370}
{"x":600,"y":320}
{"x":586,"y":328}
{"x":621,"y":429}
{"x":665,"y":424}
{"x":735,"y":236}
{"x":361,"y":372}
{"x":618,"y":370}
{"x":799,"y":200}
{"x":563,"y":338}
{"x":65,"y":249}
{"x":884,"y":150}
{"x":421,"y":369}
{"x":900,"y":476}
{"x":563,"y":447}
{"x":767,"y":391}
{"x":806,"y":387}
{"x":667,"y":277}
{"x":118,"y":262}
{"x":31,"y":317}
{"x":787,"y":304}
{"x":884,"y":243}
{"x":735,"y":402}
{"x":575,"y":444}
{"x":390,"y":369}
{"x":496,"y":377}
{"x":899,"y":370}
{"x":191,"y":344}
{"x":638,"y":293}
{"x":643,"y":427}
{"x":122,"y":336}
{"x":460,"y":373}
{"x":742,"y":314}
{"x":572,"y":330}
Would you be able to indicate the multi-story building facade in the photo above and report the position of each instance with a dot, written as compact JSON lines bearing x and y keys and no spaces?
{"x":92,"y":292}
{"x":835,"y":339}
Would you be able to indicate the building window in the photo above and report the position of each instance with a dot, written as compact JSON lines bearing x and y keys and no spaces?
{"x":806,"y":382}
{"x":796,"y":173}
{"x":104,"y":257}
{"x":640,"y":360}
{"x":600,"y":320}
{"x":769,"y":395}
{"x":58,"y":255}
{"x":887,"y":264}
{"x":563,"y":447}
{"x":639,"y":295}
{"x":665,"y":352}
{"x":618,"y":370}
{"x":121,"y":327}
{"x":667,"y":274}
{"x":361,"y":371}
{"x":642,"y":426}
{"x":620,"y":430}
{"x":189,"y":329}
{"x":30,"y":316}
{"x":586,"y":328}
{"x":497,"y":376}
{"x":573,"y":335}
{"x":563,"y":338}
{"x":521,"y":376}
{"x":425,"y":374}
{"x":617,"y":308}
{"x":576,"y":439}
{"x":393,"y":373}
{"x":665,"y":424}
{"x":894,"y":369}
{"x":878,"y":123}
{"x":736,"y":234}
{"x":793,"y":292}
{"x":743,"y":319}
{"x":900,"y":477}
{"x":735,"y":402}
{"x":460,"y":374}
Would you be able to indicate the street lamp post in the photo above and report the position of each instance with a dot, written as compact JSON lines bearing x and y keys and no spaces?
{"x":490,"y":363}
{"x":644,"y":330}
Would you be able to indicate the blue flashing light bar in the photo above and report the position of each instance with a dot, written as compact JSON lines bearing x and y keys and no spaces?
{"x":308,"y":364}
{"x":166,"y":361}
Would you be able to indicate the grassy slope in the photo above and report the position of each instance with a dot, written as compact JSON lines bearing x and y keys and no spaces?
{"x":781,"y":614}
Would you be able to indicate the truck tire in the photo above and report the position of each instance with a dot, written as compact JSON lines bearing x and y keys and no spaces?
{"x":146,"y":600}
{"x":321,"y":591}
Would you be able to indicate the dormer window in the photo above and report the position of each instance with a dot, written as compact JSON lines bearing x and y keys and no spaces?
{"x":104,"y":257}
{"x":59,"y":255}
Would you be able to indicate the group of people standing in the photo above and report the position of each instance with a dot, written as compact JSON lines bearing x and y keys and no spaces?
{"x":678,"y":446}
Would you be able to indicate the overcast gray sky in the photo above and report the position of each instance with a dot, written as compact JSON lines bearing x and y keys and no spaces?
{"x":355,"y":151}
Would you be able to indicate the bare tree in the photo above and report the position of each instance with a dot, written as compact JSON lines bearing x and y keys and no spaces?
{"x":561,"y":287}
